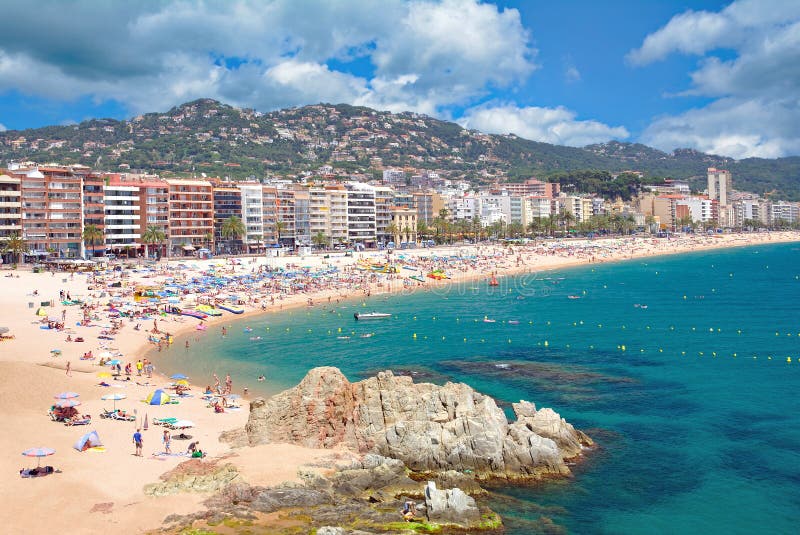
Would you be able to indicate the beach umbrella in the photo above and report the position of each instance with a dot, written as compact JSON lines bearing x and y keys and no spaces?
{"x":145,"y":426}
{"x":182,"y":382}
{"x":67,"y":403}
{"x":178,"y":376}
{"x":39,"y":453}
{"x":183,"y":424}
{"x":4,"y":330}
{"x":55,"y":351}
{"x":67,"y":395}
{"x":114,"y":398}
{"x":114,"y":362}
{"x":158,"y":397}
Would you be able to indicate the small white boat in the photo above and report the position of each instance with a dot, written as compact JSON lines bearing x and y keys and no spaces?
{"x":371,"y":316}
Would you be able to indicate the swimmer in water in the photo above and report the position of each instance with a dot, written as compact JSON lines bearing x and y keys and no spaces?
{"x":260,"y":378}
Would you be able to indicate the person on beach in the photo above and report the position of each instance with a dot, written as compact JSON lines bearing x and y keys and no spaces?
{"x":166,"y":439}
{"x":139,"y":367}
{"x":137,"y":441}
{"x":69,"y":368}
{"x":228,"y":384}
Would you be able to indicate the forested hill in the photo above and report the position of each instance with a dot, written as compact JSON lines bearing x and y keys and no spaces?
{"x":206,"y":136}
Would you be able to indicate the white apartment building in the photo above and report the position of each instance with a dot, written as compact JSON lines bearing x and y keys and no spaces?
{"x":700,"y":210}
{"x":384,"y":200}
{"x":10,"y":212}
{"x":464,"y":208}
{"x":361,"y":215}
{"x":395,"y":177}
{"x":252,"y":214}
{"x":786,"y":211}
{"x":122,"y":219}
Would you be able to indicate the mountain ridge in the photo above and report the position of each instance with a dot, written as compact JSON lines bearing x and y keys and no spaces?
{"x":207,"y":136}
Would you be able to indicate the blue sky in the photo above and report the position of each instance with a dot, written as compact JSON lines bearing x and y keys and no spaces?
{"x":722,"y":77}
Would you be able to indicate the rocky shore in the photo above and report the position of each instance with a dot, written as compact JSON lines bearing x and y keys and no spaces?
{"x":412,"y":442}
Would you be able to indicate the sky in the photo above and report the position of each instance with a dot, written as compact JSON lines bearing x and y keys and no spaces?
{"x":720,"y":77}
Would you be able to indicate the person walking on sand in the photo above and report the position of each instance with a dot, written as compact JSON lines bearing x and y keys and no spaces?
{"x":166,"y":439}
{"x":69,"y":368}
{"x":137,"y":440}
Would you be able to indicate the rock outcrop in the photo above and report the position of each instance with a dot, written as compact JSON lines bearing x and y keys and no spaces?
{"x":429,"y":428}
{"x":449,"y":506}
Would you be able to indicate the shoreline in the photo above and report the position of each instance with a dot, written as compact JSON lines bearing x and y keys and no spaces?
{"x":83,"y":491}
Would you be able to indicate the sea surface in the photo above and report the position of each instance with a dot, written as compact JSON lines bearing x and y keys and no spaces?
{"x":677,"y":366}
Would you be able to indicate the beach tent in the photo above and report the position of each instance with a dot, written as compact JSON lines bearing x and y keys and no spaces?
{"x":89,"y":440}
{"x":159,"y":397}
{"x":41,"y":312}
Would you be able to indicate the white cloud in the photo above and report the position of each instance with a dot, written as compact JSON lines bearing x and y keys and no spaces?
{"x":425,"y":55}
{"x":3,"y":127}
{"x":755,"y":111}
{"x":572,"y":74}
{"x":739,"y":128}
{"x":550,"y":125}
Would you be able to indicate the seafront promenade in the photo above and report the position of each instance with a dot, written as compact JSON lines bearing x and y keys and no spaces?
{"x":98,"y":487}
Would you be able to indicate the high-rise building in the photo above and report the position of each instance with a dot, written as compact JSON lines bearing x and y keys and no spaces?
{"x":253,"y":215}
{"x":361,"y":226}
{"x":227,"y":204}
{"x":191,"y":215}
{"x":52,"y":209}
{"x":122,"y":219}
{"x":720,"y":185}
{"x":10,"y":213}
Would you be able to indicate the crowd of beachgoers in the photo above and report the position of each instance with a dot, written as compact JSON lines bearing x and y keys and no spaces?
{"x":86,"y":337}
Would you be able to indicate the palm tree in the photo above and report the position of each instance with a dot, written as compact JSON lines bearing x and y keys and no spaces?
{"x":92,"y":234}
{"x":422,"y":229}
{"x":232,"y":229}
{"x":279,"y":226}
{"x":153,"y":235}
{"x":15,"y":245}
{"x":319,"y":239}
{"x":391,"y":230}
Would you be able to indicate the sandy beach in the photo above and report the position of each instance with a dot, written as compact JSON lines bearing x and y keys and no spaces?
{"x":99,"y":489}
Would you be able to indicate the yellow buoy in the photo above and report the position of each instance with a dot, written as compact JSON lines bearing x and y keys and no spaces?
{"x":414,"y":336}
{"x":546,"y":343}
{"x":622,"y":348}
{"x":788,"y":359}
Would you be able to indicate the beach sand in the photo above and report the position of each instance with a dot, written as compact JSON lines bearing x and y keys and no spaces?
{"x":95,"y":491}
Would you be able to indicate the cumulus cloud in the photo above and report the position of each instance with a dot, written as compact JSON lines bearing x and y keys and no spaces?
{"x":550,"y":125}
{"x":755,"y":108}
{"x":3,"y":127}
{"x":423,"y":55}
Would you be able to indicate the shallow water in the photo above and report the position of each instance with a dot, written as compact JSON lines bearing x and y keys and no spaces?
{"x":677,"y":366}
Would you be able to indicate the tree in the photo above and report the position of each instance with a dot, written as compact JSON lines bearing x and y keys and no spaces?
{"x":232,"y":229}
{"x":422,"y":229}
{"x":15,"y":245}
{"x":92,"y":234}
{"x":279,"y":226}
{"x":153,"y":235}
{"x":391,"y":230}
{"x":208,"y":237}
{"x":319,"y":239}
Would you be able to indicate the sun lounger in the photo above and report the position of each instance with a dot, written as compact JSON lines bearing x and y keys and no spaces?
{"x":80,"y":421}
{"x":122,"y":417}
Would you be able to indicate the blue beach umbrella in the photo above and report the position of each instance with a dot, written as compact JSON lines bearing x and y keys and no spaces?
{"x":178,"y":376}
{"x":67,"y":395}
{"x":159,"y":397}
{"x":67,"y":403}
{"x":39,"y":453}
{"x":114,"y":362}
{"x":114,"y":398}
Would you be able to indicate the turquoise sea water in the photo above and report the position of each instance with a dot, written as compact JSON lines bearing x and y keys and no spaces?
{"x":676,"y":366}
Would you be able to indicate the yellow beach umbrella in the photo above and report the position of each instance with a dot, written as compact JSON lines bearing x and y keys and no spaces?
{"x":182,"y":382}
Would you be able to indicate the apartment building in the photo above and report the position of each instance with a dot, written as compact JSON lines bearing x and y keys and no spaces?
{"x":404,"y":222}
{"x":285,"y":211}
{"x":191,"y":215}
{"x":122,"y":219}
{"x":10,"y":213}
{"x":361,"y":226}
{"x":384,"y":200}
{"x":302,"y":217}
{"x":252,"y":200}
{"x":52,"y":209}
{"x":428,"y":205}
{"x":269,"y":208}
{"x":338,"y":229}
{"x":94,"y":212}
{"x":227,"y":204}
